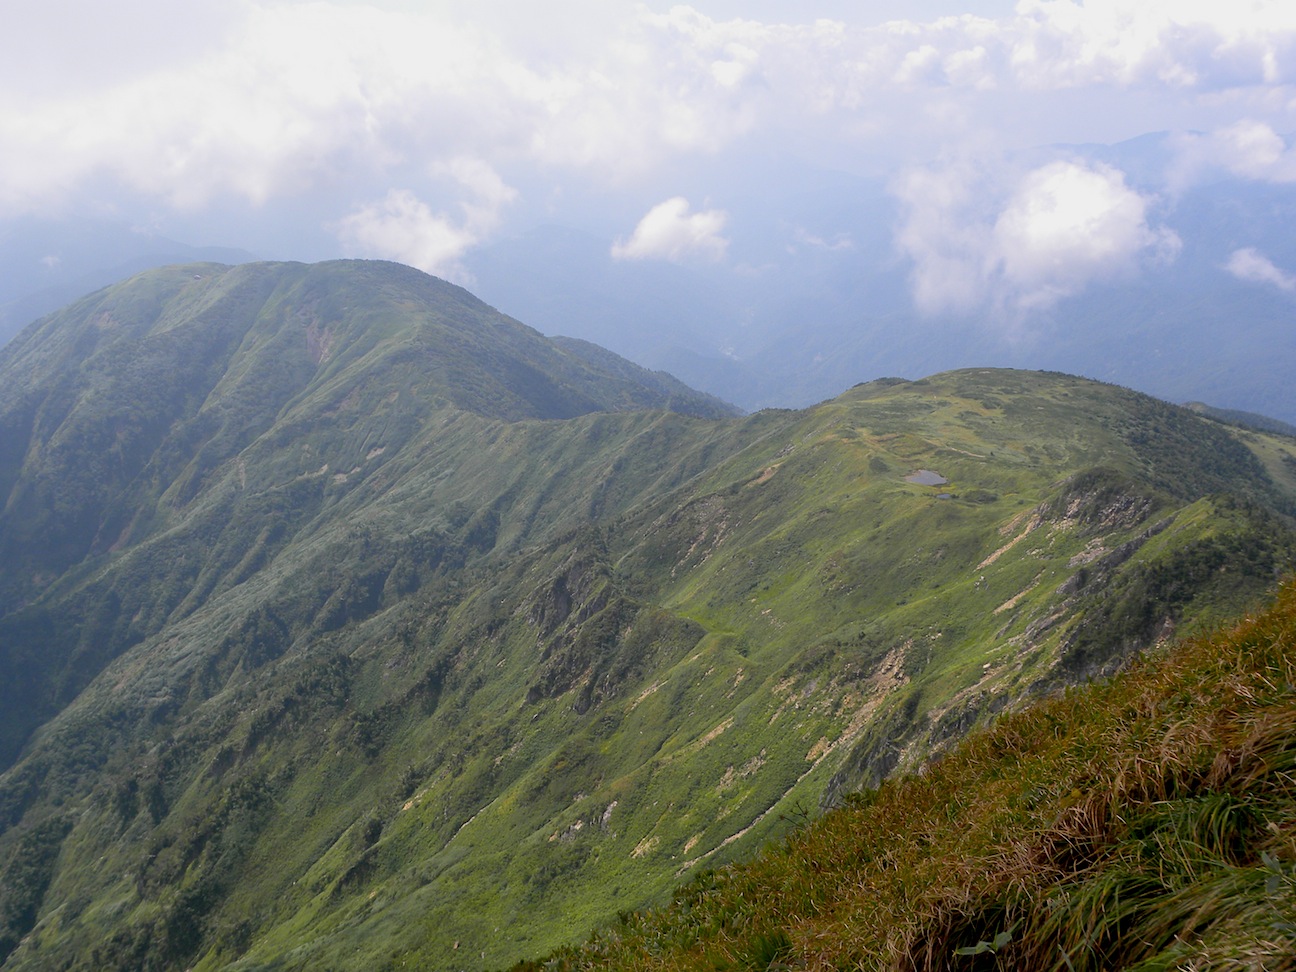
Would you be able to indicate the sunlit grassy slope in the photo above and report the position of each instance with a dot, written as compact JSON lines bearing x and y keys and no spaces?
{"x":372,"y":663}
{"x":1146,"y":823}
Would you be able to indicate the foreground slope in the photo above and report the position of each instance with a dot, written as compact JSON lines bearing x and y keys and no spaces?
{"x":391,"y":655}
{"x":1148,"y":823}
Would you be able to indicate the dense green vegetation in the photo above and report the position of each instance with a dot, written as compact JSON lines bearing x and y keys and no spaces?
{"x":1147,"y":823}
{"x":347,"y":624}
{"x":1247,"y":420}
{"x":126,"y":418}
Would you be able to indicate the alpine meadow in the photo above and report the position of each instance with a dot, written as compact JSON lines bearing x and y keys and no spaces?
{"x":349,"y":624}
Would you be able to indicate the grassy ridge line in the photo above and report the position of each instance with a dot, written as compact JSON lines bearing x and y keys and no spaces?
{"x":507,"y":679}
{"x":1144,"y":823}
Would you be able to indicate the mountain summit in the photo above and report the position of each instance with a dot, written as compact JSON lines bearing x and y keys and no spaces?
{"x":344,"y":620}
{"x":117,"y":413}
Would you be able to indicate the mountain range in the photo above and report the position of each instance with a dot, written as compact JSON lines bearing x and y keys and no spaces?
{"x":348,"y":623}
{"x":817,"y":288}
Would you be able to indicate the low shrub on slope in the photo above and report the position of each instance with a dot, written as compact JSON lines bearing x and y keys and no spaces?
{"x":1146,"y":823}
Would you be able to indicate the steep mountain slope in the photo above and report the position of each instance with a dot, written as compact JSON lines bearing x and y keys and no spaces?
{"x":121,"y":420}
{"x":374,"y":637}
{"x":1149,"y":823}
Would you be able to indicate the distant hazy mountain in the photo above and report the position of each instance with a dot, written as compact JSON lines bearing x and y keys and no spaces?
{"x":1246,"y":420}
{"x":348,"y":623}
{"x":825,"y":301}
{"x":813,"y":294}
{"x":45,"y":264}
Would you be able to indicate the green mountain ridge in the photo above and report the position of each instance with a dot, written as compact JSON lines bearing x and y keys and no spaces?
{"x":1145,"y":823}
{"x":344,"y":620}
{"x":1247,"y":420}
{"x":118,"y":412}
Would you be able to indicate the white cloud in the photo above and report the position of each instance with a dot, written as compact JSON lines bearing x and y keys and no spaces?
{"x":670,"y":232}
{"x":54,"y":48}
{"x":256,"y":100}
{"x":737,"y":65}
{"x":1068,"y":224}
{"x":1207,"y":44}
{"x":1025,"y":246}
{"x":488,"y":192}
{"x":278,"y":108}
{"x":1248,"y":148}
{"x":402,"y":227}
{"x":919,"y":66}
{"x":945,"y":232}
{"x":841,"y":241}
{"x":288,"y":96}
{"x":1251,"y":265}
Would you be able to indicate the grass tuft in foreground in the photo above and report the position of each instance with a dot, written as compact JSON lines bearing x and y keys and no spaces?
{"x":1147,"y":823}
